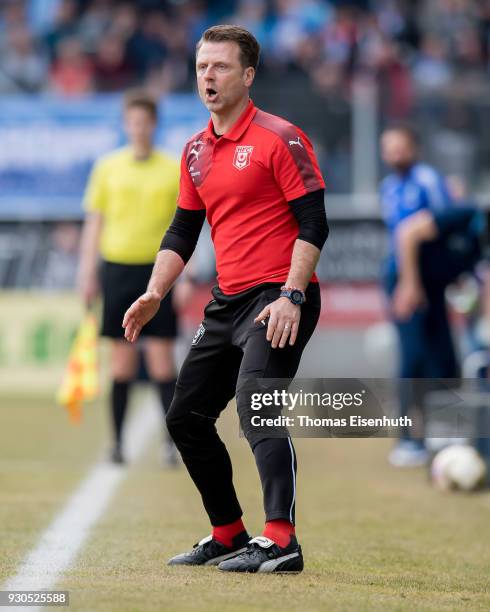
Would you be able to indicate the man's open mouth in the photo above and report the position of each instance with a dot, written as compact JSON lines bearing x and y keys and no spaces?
{"x":211,"y":93}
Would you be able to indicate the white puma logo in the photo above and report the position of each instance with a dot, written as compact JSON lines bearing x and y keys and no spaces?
{"x":296,"y":142}
{"x":194,"y":150}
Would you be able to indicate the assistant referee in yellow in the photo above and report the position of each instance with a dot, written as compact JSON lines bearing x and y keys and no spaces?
{"x":130,"y":202}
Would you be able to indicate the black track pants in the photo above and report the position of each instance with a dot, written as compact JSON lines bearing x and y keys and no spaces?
{"x":230,"y":351}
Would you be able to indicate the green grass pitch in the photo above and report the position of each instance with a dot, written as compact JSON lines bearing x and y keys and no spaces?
{"x":374,"y":538}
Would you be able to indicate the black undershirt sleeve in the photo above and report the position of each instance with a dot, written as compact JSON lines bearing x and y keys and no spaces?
{"x":309,"y":212}
{"x":183,"y":233}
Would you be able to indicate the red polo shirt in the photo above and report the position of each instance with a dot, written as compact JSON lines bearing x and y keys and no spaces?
{"x":244,"y":180}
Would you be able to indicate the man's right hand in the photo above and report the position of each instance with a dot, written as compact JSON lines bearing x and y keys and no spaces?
{"x":139,"y":313}
{"x":408,"y":297}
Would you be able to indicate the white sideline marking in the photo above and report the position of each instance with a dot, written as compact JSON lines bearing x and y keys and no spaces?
{"x":62,"y":540}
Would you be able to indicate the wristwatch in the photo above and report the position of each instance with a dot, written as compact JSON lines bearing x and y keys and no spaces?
{"x":295,"y":295}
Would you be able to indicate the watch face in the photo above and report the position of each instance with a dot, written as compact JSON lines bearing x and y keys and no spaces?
{"x":296,"y":297}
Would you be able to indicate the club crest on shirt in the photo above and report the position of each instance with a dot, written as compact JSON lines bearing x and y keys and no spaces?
{"x":242,"y":156}
{"x":198,"y":335}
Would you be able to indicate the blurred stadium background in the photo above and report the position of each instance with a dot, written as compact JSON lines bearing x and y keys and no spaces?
{"x":339,"y":69}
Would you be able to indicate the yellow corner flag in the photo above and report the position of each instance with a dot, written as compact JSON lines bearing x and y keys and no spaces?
{"x":80,"y":381}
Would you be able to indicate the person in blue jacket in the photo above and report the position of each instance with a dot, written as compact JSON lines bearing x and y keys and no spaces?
{"x":431,"y":241}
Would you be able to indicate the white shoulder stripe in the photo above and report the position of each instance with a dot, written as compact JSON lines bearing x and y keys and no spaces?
{"x":428,"y":178}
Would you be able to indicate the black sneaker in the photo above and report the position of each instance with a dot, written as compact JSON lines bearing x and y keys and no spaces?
{"x":211,"y":552}
{"x":265,"y":556}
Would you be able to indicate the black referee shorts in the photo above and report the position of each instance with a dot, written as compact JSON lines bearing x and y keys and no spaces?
{"x":229,"y":351}
{"x":121,"y":285}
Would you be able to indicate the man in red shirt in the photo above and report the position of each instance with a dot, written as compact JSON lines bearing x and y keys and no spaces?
{"x":256,"y":179}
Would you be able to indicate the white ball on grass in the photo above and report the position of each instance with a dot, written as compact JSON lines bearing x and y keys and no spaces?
{"x":458,"y":467}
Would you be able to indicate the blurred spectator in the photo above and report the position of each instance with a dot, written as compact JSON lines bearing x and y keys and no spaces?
{"x":147,"y":47}
{"x":112,"y":70}
{"x":194,"y":17}
{"x":72,"y":73}
{"x":329,"y":118}
{"x":484,"y":29}
{"x":447,"y":17}
{"x":432,"y":69}
{"x":468,"y":52}
{"x":154,"y":40}
{"x":42,"y":14}
{"x":125,"y":21}
{"x":23,"y":69}
{"x":94,"y":23}
{"x":12,"y":15}
{"x":392,"y":19}
{"x":252,"y":15}
{"x":395,"y":85}
{"x":295,"y":20}
{"x":65,"y":25}
{"x":436,"y":47}
{"x":340,"y":37}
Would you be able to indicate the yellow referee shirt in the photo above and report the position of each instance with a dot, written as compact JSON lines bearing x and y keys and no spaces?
{"x":137,"y":199}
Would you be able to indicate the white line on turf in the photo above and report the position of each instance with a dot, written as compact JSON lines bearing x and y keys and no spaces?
{"x":63,"y":539}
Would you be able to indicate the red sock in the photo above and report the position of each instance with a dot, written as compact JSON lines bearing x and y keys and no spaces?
{"x":226,"y":533}
{"x":279,"y":531}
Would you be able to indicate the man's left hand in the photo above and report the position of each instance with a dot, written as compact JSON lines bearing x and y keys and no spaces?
{"x":283,"y":323}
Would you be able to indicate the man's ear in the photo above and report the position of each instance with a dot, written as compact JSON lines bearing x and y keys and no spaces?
{"x":249,"y":76}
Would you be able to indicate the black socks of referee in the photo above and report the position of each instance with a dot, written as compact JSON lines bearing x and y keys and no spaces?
{"x":119,"y":405}
{"x":166,"y":392}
